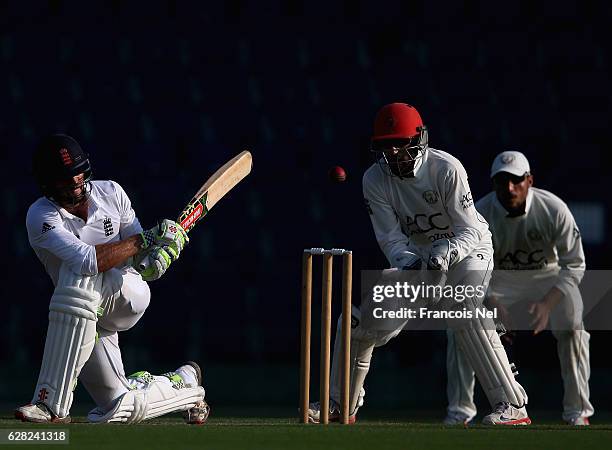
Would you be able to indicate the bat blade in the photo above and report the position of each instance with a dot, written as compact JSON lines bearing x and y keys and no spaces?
{"x":215,"y":188}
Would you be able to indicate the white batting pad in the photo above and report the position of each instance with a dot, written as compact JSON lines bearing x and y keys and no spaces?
{"x":362,"y":346}
{"x":70,"y":338}
{"x":156,"y":399}
{"x":481,"y":345}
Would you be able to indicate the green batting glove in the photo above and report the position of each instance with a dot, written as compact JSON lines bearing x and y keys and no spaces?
{"x":166,"y":233}
{"x":159,"y":259}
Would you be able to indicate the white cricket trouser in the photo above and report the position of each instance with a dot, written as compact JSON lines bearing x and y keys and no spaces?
{"x":572,"y":348}
{"x":459,"y":382}
{"x":125,"y":297}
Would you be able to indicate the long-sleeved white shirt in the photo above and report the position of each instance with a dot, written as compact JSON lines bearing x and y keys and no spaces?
{"x":409,"y":214}
{"x":59,"y":237}
{"x":545,"y":239}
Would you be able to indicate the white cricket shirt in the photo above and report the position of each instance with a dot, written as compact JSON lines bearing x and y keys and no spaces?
{"x":58,"y":236}
{"x":409,"y":214}
{"x":545,"y":239}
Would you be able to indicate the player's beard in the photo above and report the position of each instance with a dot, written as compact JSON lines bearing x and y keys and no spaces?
{"x":512,"y":203}
{"x":69,"y":200}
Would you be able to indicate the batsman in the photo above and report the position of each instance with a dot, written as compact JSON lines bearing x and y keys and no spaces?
{"x":90,"y":242}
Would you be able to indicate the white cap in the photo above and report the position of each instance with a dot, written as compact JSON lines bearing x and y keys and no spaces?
{"x":512,"y":162}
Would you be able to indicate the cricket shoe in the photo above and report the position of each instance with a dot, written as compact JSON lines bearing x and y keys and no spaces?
{"x":580,"y":421}
{"x":192,"y":375}
{"x":314,"y":412}
{"x":506,"y":414}
{"x":38,"y":413}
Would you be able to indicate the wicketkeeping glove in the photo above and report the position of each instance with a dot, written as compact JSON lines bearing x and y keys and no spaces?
{"x":441,"y":255}
{"x":413,"y":265}
{"x":159,"y":259}
{"x":167,"y":233}
{"x":409,"y":261}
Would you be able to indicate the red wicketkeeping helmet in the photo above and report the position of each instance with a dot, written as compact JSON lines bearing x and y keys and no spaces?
{"x":400,"y":138}
{"x":397,"y":121}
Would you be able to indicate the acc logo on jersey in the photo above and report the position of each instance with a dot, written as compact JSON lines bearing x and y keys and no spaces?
{"x":466,"y":200}
{"x":430,"y":197}
{"x":422,"y":223}
{"x":520,"y":259}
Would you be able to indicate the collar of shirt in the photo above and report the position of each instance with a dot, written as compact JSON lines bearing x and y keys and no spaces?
{"x":528,"y":201}
{"x":92,"y":209}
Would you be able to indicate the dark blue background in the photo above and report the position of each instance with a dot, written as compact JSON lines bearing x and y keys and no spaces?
{"x":163,"y":94}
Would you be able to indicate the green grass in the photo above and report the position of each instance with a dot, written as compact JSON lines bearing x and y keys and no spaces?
{"x":268,"y":433}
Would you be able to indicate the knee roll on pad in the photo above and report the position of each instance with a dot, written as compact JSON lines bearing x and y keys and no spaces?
{"x":75,"y":302}
{"x":70,"y":339}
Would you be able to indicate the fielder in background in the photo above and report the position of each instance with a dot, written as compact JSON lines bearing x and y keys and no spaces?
{"x":423,"y":215}
{"x":539,"y":261}
{"x":88,"y":238}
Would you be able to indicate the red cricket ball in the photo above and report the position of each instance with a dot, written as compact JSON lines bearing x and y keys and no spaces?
{"x":337,"y":174}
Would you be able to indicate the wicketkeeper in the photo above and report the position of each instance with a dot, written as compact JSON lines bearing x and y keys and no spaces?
{"x":86,"y":235}
{"x":423,"y":215}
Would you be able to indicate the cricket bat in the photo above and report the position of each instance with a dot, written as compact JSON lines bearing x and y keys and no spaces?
{"x":219,"y":184}
{"x":213,"y":190}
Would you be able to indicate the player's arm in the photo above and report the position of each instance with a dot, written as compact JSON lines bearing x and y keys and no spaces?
{"x":113,"y":254}
{"x":569,"y":250}
{"x":387,"y":228}
{"x":541,"y":310}
{"x":571,"y":259}
{"x":82,"y":258}
{"x":159,"y":244}
{"x":163,"y":243}
{"x":46,"y":232}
